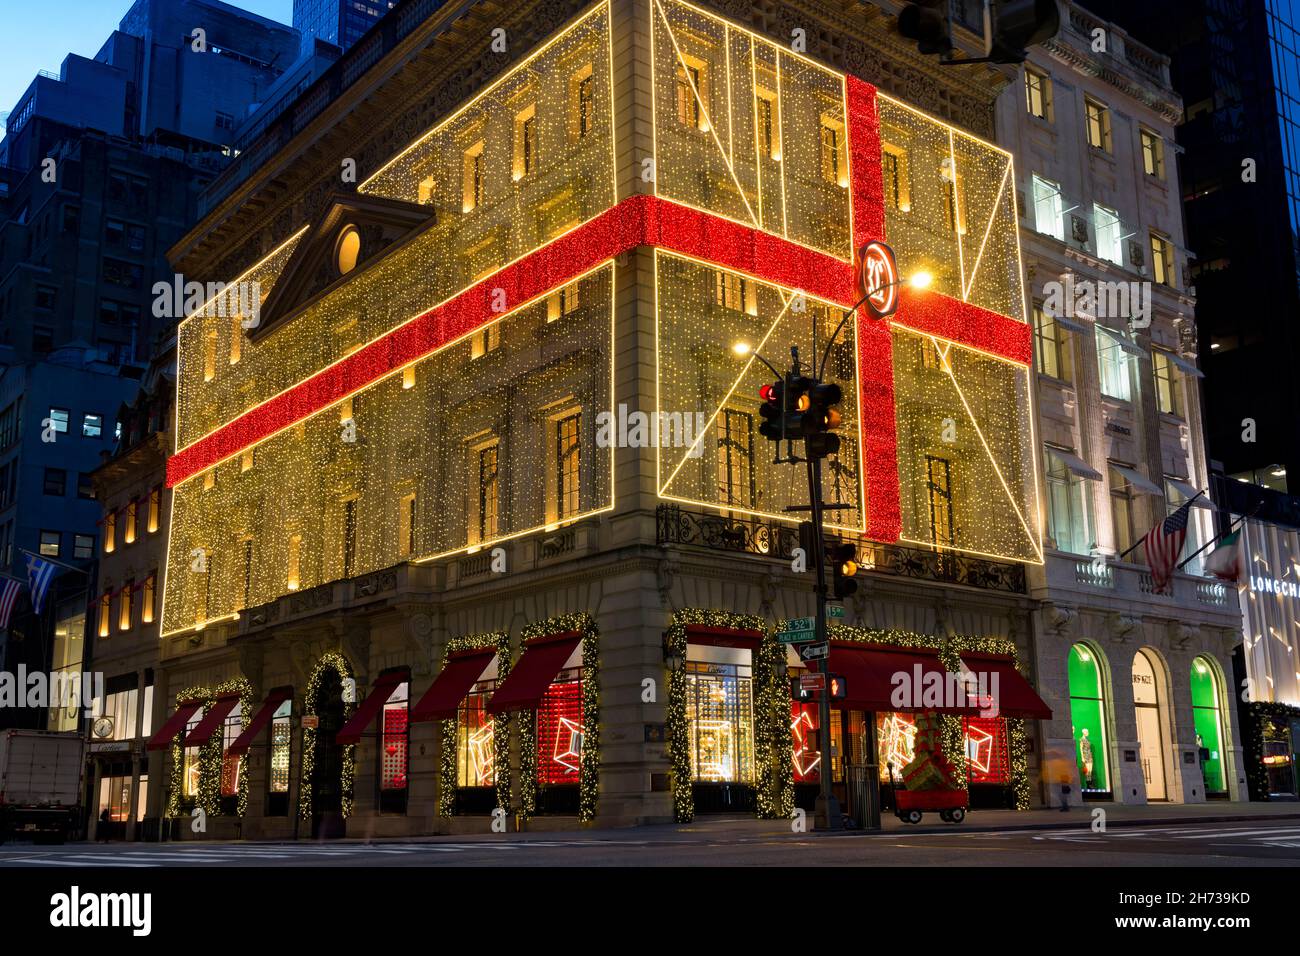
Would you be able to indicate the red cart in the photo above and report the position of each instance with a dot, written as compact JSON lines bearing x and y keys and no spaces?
{"x":951,"y":804}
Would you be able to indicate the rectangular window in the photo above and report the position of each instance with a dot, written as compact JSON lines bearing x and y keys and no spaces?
{"x":83,"y":546}
{"x":110,"y":532}
{"x":1066,"y":507}
{"x":294,"y":579}
{"x":85,"y":486}
{"x":1109,"y":234}
{"x":475,"y":744}
{"x":690,"y":93}
{"x":155,"y":508}
{"x":525,"y":140}
{"x":736,"y":459}
{"x":1053,"y":346}
{"x":1038,"y":93}
{"x":45,"y":297}
{"x":1169,"y":384}
{"x":1153,"y":153}
{"x":50,"y":544}
{"x":1113,"y":364}
{"x":489,"y":492}
{"x":56,"y":482}
{"x":231,"y":764}
{"x":1122,"y":516}
{"x":560,"y":729}
{"x":92,"y":426}
{"x":1097,"y":123}
{"x":248,"y":572}
{"x":349,"y":537}
{"x":898,"y":184}
{"x":149,"y":594}
{"x":732,"y":291}
{"x":582,"y":103}
{"x":769,"y":143}
{"x":473,"y":179}
{"x":59,"y":420}
{"x":1162,"y":260}
{"x":128,"y":526}
{"x":720,"y":714}
{"x":562,"y":301}
{"x":1049,"y":217}
{"x":236,"y":339}
{"x":488,"y":340}
{"x":834,"y":167}
{"x":943,"y":529}
{"x":124,"y":606}
{"x":105,"y":609}
{"x":281,"y":742}
{"x":954,"y":206}
{"x":210,"y":356}
{"x":567,"y":470}
{"x":396,"y":740}
{"x":190,"y":767}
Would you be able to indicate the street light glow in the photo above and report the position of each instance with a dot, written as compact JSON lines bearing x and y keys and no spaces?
{"x":921,"y":280}
{"x":742,"y":349}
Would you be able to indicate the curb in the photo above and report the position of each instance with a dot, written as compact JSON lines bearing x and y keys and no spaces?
{"x":1063,"y":825}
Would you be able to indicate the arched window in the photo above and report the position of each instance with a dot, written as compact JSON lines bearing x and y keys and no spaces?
{"x":1209,"y":725}
{"x":1088,"y":716}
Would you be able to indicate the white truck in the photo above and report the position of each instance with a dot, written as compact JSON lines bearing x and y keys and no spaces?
{"x":40,"y":783}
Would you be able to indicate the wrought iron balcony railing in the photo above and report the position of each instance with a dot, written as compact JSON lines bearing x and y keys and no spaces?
{"x":774,"y":539}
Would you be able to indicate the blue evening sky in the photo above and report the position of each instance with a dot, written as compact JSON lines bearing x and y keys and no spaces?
{"x":38,"y":34}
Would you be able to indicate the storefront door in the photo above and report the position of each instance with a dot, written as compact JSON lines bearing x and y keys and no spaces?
{"x":1146,"y":702}
{"x":327,"y":770}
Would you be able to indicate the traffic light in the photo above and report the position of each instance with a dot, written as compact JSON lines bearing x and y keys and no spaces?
{"x":839,"y":690}
{"x":772,"y":410}
{"x":821,"y":418}
{"x":928,"y":23}
{"x":844,"y":565}
{"x":784,"y":406}
{"x":1017,"y":24}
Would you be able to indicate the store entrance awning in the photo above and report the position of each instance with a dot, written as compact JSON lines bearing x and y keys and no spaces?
{"x":163,"y":738}
{"x":442,"y":699}
{"x":201,"y":734}
{"x":872,"y":673}
{"x":260,"y":719}
{"x":1013,"y":697}
{"x":542,"y":660}
{"x":382,"y":689}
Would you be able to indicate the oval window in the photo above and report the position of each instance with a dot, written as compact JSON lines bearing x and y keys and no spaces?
{"x":349,"y":250}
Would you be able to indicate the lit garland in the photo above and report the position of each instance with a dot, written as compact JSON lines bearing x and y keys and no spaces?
{"x":771,"y":792}
{"x":211,"y":754}
{"x":1257,"y":714}
{"x":330,"y":660}
{"x":589,"y":765}
{"x":500,"y":727}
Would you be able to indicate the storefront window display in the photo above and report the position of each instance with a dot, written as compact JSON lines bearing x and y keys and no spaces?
{"x":1208,"y":724}
{"x":394,"y":754}
{"x":559,"y":730}
{"x":1088,"y":715}
{"x":115,"y":793}
{"x":475,"y":749}
{"x":281,"y":742}
{"x":1279,"y":767}
{"x":190,"y":766}
{"x":987,"y":760}
{"x":231,"y":764}
{"x":720,"y":714}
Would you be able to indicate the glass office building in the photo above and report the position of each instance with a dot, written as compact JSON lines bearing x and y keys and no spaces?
{"x":341,"y":22}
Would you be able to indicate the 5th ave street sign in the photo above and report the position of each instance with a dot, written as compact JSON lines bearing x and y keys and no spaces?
{"x":798,"y":630}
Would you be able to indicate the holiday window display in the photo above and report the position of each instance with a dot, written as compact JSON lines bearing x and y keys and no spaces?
{"x":1088,"y":713}
{"x":476,"y":746}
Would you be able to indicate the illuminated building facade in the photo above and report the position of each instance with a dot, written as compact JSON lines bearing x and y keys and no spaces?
{"x":1140,"y":681}
{"x":424,"y":560}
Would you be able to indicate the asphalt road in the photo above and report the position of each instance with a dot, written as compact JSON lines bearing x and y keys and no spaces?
{"x":1263,"y":843}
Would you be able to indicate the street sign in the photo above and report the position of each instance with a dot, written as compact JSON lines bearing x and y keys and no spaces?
{"x":798,"y":630}
{"x":811,"y":682}
{"x":310,"y":722}
{"x":814,"y":652}
{"x":834,"y":611}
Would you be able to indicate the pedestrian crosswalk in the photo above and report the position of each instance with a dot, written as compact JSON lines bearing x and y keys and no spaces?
{"x":251,"y":854}
{"x":1239,"y":835}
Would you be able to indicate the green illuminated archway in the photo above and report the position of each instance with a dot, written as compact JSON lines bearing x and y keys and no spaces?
{"x":1207,"y":720}
{"x":1088,"y":717}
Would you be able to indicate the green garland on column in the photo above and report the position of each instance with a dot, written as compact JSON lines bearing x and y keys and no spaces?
{"x":211,"y":754}
{"x":589,"y":762}
{"x":775,"y":795}
{"x":500,"y":727}
{"x":176,"y":777}
{"x":330,"y":660}
{"x":771,"y":791}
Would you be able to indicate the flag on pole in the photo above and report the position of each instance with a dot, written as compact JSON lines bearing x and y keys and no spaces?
{"x":1164,"y":543}
{"x":39,"y":575}
{"x":9,"y":592}
{"x":1225,"y":561}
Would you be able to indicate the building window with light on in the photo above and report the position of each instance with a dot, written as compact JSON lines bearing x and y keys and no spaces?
{"x":1097,"y":123}
{"x":525,"y":142}
{"x":1110,"y":235}
{"x":1114,"y":363}
{"x":190,"y":767}
{"x":1169,"y":384}
{"x":110,"y":532}
{"x":769,"y":138}
{"x":124,"y":606}
{"x":231,"y":764}
{"x":834,"y":166}
{"x":560,"y":732}
{"x":406,"y":525}
{"x":394,"y":752}
{"x":736,"y":459}
{"x":489,"y":491}
{"x":568,"y":461}
{"x":1053,"y":346}
{"x":476,"y":770}
{"x":485,"y":340}
{"x":1038,"y":93}
{"x":1067,"y":506}
{"x":281,"y":747}
{"x":1162,"y":260}
{"x":720,"y":715}
{"x":1122,"y":518}
{"x":582,"y":98}
{"x":129,"y":521}
{"x":732,"y":291}
{"x":898,"y":185}
{"x":155,"y":509}
{"x":1153,"y":153}
{"x":473,"y":177}
{"x":563,"y":301}
{"x":149,"y":591}
{"x":1049,"y":217}
{"x":105,"y":611}
{"x":690,"y":93}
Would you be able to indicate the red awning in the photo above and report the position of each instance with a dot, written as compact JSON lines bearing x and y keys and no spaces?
{"x":444,"y":695}
{"x":869,"y":675}
{"x":260,"y":719}
{"x":723,"y":636}
{"x":212,"y":720}
{"x":1013,"y":696}
{"x":351,"y":732}
{"x":542,"y":660}
{"x":163,"y":738}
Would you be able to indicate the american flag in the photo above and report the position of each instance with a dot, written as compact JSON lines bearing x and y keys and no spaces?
{"x":1164,"y":544}
{"x":9,"y":592}
{"x":39,"y":574}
